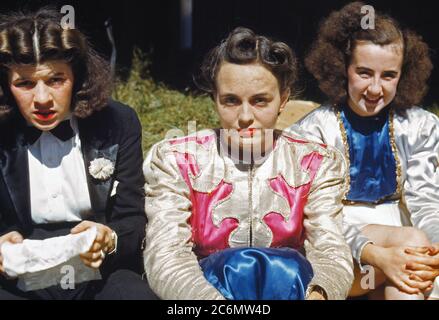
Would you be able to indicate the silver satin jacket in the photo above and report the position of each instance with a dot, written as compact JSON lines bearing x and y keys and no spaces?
{"x":416,"y":136}
{"x":175,"y":239}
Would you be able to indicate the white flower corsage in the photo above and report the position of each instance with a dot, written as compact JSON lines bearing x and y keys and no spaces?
{"x":101,"y":168}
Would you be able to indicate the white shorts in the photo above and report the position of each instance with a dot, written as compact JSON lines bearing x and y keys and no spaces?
{"x":388,"y":214}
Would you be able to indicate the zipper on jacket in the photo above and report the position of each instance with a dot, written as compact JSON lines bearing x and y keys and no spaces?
{"x":250,"y":205}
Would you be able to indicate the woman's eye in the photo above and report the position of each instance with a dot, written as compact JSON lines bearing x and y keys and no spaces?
{"x":364,"y":75}
{"x":260,"y":102}
{"x":389,"y":76}
{"x":231,"y":101}
{"x":55,"y":81}
{"x":24,"y":84}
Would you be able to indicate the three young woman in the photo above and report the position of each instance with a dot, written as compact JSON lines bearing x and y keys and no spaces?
{"x":239,"y":212}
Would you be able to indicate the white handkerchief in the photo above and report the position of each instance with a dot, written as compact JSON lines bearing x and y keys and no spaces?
{"x":43,"y":263}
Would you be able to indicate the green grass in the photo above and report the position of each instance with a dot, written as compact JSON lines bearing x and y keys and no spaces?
{"x":161,"y":109}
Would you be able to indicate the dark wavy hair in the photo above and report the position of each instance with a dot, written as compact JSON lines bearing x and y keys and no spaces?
{"x":18,"y":30}
{"x":338,"y":34}
{"x":243,"y":46}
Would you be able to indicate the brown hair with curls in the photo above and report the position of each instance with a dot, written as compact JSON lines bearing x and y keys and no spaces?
{"x":243,"y":46}
{"x":32,"y":38}
{"x":331,"y":54}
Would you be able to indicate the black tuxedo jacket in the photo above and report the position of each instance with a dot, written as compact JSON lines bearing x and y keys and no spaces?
{"x":113,"y":133}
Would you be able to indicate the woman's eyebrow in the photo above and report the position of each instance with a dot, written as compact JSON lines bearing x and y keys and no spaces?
{"x":227,"y":94}
{"x":262,"y":94}
{"x":361,"y":68}
{"x":391,"y":71}
{"x":21,"y":78}
{"x":50,"y":74}
{"x":54,"y":74}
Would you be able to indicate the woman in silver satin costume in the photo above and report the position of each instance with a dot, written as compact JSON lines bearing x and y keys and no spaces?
{"x":203,"y":200}
{"x":374,"y":78}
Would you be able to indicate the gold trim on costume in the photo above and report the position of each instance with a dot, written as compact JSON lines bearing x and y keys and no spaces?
{"x":348,"y":161}
{"x":344,"y":138}
{"x":395,"y":153}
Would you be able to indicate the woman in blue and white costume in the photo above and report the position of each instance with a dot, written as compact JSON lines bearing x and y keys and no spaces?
{"x":373,"y":78}
{"x":261,"y":223}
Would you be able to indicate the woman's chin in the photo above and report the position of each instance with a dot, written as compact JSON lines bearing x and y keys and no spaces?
{"x":45,"y":125}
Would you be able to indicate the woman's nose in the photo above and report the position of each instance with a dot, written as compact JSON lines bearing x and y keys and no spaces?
{"x":42,"y":93}
{"x":375,"y":88}
{"x":246,"y":116}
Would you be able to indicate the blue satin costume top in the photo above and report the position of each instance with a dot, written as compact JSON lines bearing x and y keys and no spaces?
{"x":372,"y":162}
{"x":258,"y":273}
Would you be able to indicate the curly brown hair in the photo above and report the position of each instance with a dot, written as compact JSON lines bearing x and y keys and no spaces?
{"x":18,"y":30}
{"x":243,"y":46}
{"x":331,"y":54}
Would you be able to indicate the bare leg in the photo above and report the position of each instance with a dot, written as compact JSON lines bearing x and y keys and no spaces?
{"x":393,"y":293}
{"x":388,"y":236}
{"x":378,"y":293}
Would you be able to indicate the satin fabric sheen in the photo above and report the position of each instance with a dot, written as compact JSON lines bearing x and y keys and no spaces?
{"x":258,"y":273}
{"x":416,"y":133}
{"x":372,"y":164}
{"x":199,"y":202}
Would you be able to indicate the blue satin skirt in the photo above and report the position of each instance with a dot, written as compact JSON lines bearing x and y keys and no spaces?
{"x":258,"y":273}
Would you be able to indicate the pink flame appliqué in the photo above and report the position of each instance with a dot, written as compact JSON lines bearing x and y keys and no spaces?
{"x":206,"y":237}
{"x":290,"y":233}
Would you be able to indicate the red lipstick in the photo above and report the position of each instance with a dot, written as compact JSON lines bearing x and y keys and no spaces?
{"x":45,"y":115}
{"x":247,"y":132}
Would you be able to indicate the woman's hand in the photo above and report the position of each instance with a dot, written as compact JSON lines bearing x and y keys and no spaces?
{"x":314,"y":295}
{"x":427,"y":267}
{"x":317,"y":293}
{"x":393,"y":262}
{"x":102,"y":244}
{"x":13,"y":237}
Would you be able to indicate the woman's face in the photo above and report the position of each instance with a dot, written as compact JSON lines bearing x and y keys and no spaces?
{"x":42,"y":92}
{"x":248,"y":101}
{"x":373,"y":76}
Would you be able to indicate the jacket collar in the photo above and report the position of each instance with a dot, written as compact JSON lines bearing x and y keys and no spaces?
{"x":15,"y":164}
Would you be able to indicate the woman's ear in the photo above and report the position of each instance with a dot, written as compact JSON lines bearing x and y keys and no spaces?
{"x":284,"y":99}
